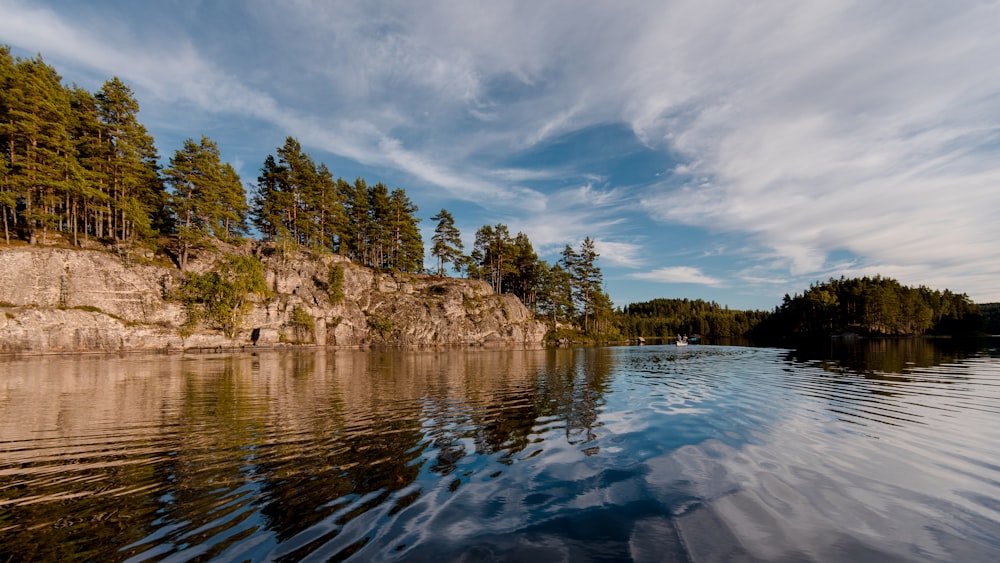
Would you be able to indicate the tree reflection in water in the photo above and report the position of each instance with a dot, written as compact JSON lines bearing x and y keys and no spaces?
{"x":428,"y":453}
{"x":286,"y":448}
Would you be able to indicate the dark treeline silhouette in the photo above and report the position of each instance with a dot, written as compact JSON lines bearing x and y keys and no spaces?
{"x":871,"y":306}
{"x":666,"y":318}
{"x":991,"y":317}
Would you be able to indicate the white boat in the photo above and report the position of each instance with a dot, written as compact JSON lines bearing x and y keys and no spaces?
{"x":682,"y":342}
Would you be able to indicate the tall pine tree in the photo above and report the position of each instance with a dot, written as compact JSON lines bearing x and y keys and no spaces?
{"x":447,"y":241}
{"x":132,"y":179}
{"x":208,"y":197}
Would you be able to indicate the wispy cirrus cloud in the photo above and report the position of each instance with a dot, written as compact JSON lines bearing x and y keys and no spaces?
{"x":677,"y":274}
{"x":803,"y":130}
{"x":847,"y":128}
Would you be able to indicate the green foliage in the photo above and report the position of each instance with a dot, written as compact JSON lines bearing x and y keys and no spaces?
{"x":447,"y":241}
{"x":872,"y":306}
{"x":380,"y":325}
{"x":302,"y":319}
{"x":73,"y":161}
{"x":554,"y":294}
{"x":492,"y":255}
{"x":223,"y":296}
{"x":586,"y":280}
{"x":300,"y":203}
{"x":335,"y":283}
{"x":303,"y":324}
{"x":207,"y":199}
{"x":666,"y":318}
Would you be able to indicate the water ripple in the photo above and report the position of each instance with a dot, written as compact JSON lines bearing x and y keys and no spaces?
{"x":646,"y":453}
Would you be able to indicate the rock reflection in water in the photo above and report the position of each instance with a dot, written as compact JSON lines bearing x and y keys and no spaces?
{"x":646,"y":454}
{"x":193,"y":455}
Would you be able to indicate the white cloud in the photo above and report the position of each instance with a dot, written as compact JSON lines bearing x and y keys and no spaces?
{"x":677,"y":274}
{"x":625,"y":254}
{"x":866,"y":130}
{"x":806,"y":129}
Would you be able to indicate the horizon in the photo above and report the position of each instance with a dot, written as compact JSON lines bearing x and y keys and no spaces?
{"x":722,"y":152}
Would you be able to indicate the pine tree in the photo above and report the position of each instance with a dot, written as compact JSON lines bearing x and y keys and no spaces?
{"x":493,"y":251}
{"x":88,"y":202}
{"x":300,"y":184}
{"x":588,"y":279}
{"x":569,"y":262}
{"x":266,"y":207}
{"x":447,"y":241}
{"x":525,"y":271}
{"x":208,"y":197}
{"x":134,"y":185}
{"x":232,"y":218}
{"x":358,"y":219}
{"x":331,"y":209}
{"x":8,"y":197}
{"x":40,"y":152}
{"x":407,"y":247}
{"x":555,"y":294}
{"x":380,"y":230}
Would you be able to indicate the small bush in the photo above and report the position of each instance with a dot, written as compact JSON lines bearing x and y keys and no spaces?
{"x":335,"y":283}
{"x":223,"y":296}
{"x":302,"y":324}
{"x":380,"y":325}
{"x":302,"y":319}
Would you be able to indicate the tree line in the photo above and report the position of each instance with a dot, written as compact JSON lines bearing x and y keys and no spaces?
{"x":875,"y":306}
{"x":569,"y":291}
{"x":82,"y":165}
{"x":991,"y":317}
{"x":667,"y":318}
{"x":74,"y":161}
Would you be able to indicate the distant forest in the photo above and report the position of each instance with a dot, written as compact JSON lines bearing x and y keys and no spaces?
{"x":667,"y":318}
{"x":78,"y":167}
{"x":872,"y":306}
{"x":991,"y":317}
{"x":868,"y":306}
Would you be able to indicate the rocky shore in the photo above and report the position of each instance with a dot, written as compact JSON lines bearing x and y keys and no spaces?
{"x":57,"y":300}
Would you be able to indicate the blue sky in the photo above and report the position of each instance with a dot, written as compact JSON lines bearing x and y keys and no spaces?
{"x":724,"y":150}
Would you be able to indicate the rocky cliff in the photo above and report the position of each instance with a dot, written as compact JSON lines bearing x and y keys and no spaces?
{"x":70,"y":300}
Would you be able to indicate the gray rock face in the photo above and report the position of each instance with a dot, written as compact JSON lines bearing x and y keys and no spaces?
{"x":62,"y":300}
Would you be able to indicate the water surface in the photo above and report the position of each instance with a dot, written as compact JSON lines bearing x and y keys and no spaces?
{"x":885,"y":451}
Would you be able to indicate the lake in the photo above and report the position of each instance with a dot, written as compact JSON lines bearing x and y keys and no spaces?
{"x":866,"y":451}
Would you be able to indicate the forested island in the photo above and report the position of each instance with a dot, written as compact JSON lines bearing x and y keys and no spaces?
{"x":79,"y":170}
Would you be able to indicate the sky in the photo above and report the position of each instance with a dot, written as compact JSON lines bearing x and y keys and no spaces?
{"x":732,"y":151}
